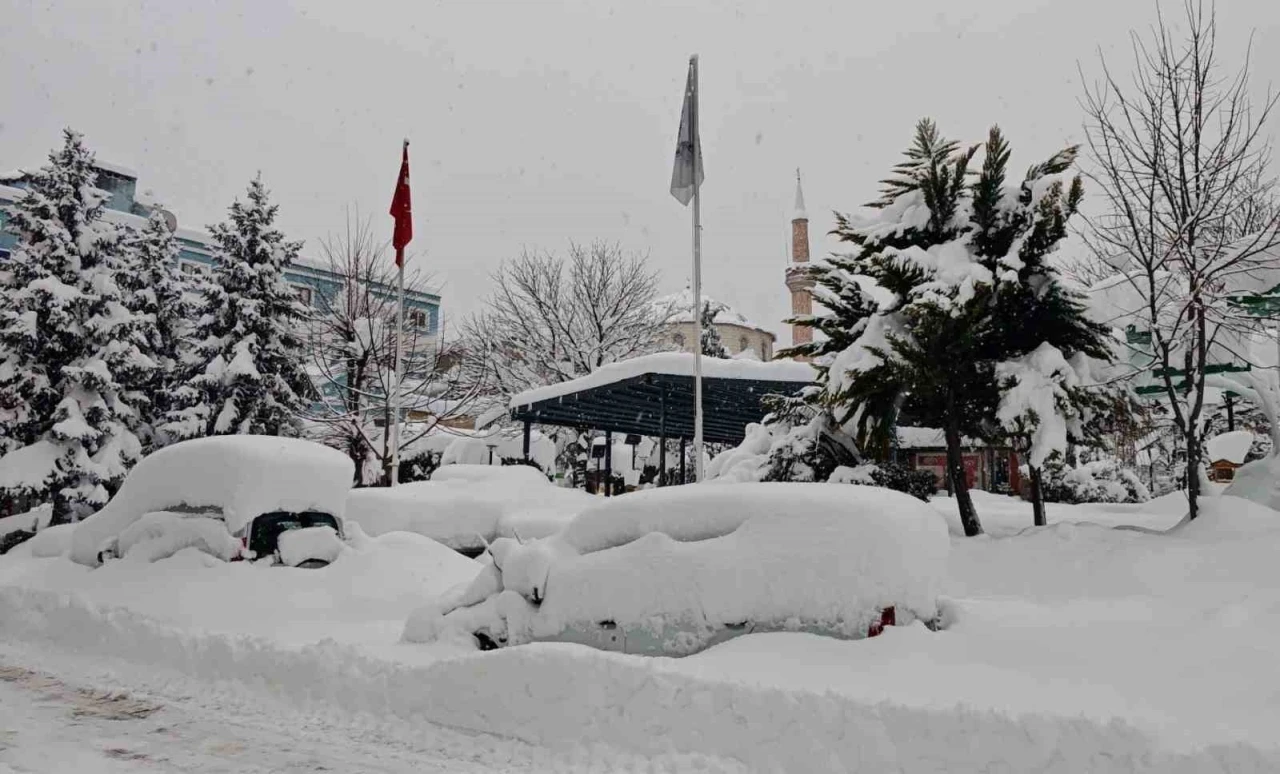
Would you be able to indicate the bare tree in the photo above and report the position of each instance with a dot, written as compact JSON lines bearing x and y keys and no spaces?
{"x":550,"y":320}
{"x":1181,"y":155}
{"x":352,"y":344}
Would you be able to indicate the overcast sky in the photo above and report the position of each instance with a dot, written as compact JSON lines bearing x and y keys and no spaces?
{"x":537,"y":123}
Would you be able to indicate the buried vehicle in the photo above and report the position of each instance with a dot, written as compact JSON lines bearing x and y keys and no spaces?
{"x":233,"y":497}
{"x":673,"y":571}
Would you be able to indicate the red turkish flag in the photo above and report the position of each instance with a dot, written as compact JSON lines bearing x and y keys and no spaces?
{"x":402,"y":209}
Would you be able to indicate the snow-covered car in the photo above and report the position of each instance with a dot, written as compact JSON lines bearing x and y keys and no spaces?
{"x":466,"y":506}
{"x":234,"y":497}
{"x":673,"y":571}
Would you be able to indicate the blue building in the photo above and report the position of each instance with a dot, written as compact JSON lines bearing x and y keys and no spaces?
{"x":310,"y":278}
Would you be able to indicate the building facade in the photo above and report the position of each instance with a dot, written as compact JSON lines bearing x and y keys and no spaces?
{"x":124,"y":206}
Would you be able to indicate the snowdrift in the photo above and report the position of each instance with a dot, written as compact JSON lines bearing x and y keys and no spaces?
{"x":678,"y":568}
{"x":240,"y":476}
{"x":1258,"y":481}
{"x":466,"y":506}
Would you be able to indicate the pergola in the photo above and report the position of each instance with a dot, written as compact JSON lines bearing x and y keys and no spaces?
{"x":653,"y":395}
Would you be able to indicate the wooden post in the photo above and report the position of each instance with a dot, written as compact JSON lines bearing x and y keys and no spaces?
{"x":526,"y":440}
{"x":683,"y":476}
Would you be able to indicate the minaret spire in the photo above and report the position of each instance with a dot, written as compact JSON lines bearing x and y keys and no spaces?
{"x":799,"y":281}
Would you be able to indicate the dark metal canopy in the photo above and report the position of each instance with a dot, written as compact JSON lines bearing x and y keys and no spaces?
{"x":658,"y":404}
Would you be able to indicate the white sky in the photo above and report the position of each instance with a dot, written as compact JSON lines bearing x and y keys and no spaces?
{"x":534,"y":123}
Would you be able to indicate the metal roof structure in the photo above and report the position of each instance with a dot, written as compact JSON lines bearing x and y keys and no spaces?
{"x":660,"y":404}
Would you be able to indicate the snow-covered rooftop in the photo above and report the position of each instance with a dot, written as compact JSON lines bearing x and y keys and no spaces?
{"x":1232,"y":447}
{"x":674,"y":364}
{"x":678,"y":308}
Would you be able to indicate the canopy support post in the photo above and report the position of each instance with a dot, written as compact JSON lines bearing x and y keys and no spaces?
{"x":684,"y":478}
{"x":527,"y":425}
{"x":608,"y":463}
{"x":662,"y":435}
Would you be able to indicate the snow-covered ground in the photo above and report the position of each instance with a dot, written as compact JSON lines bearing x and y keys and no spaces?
{"x":1074,"y":647}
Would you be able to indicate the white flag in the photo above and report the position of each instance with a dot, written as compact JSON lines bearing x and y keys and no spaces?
{"x":682,"y":174}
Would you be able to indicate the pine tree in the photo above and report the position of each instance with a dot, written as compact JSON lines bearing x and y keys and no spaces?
{"x":712,"y":344}
{"x":157,"y":293}
{"x":247,"y":371}
{"x":66,"y":341}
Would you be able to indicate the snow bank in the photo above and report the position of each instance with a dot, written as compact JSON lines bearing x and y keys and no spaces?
{"x":555,"y":695}
{"x":299,"y":545}
{"x":240,"y":476}
{"x":51,"y":541}
{"x":674,"y":567}
{"x":161,"y":535}
{"x":465,"y":506}
{"x":1258,"y":481}
{"x":675,"y":364}
{"x":33,"y":520}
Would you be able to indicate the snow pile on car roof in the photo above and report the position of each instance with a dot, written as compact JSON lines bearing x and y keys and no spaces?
{"x":241,"y":476}
{"x":465,"y":506}
{"x":692,"y":560}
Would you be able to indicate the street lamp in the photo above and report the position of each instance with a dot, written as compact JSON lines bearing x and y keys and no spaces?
{"x":491,"y":446}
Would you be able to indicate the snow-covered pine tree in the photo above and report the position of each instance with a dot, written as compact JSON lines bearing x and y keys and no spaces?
{"x":247,"y":369}
{"x":66,"y":340}
{"x":156,"y":292}
{"x":712,"y":344}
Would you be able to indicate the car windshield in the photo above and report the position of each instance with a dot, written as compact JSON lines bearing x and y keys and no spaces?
{"x":264,"y":533}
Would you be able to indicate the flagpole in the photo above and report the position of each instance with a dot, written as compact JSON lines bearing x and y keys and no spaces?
{"x":697,"y":279}
{"x":399,"y":365}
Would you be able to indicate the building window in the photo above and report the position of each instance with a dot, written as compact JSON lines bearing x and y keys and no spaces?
{"x":193,"y":269}
{"x":417,"y":318}
{"x":679,"y":340}
{"x":743,"y":344}
{"x":303,"y":293}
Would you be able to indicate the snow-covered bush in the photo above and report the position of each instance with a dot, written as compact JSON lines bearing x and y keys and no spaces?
{"x":920,"y":484}
{"x":1100,"y":481}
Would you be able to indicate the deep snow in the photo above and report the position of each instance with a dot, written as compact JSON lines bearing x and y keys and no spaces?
{"x":1074,"y":647}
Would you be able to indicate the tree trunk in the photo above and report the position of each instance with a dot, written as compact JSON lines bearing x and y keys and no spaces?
{"x":959,"y":485}
{"x":1037,"y":497}
{"x":1193,"y":475}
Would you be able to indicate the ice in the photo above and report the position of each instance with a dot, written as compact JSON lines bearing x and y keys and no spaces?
{"x":241,"y":476}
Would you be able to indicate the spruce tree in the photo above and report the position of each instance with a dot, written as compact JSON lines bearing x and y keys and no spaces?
{"x":157,"y":293}
{"x":712,"y":344}
{"x":66,"y":343}
{"x":246,"y":373}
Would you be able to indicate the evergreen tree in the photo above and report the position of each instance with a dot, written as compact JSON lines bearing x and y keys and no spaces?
{"x":67,"y":343}
{"x":712,"y":344}
{"x":157,"y":293}
{"x":246,"y":373}
{"x":948,"y":281}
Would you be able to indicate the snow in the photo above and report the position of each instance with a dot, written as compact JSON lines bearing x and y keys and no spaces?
{"x":674,"y":364}
{"x":1258,"y":481}
{"x":50,"y":542}
{"x":678,"y":308}
{"x":1070,"y":648}
{"x":673,"y":567}
{"x":30,"y":466}
{"x":1232,"y":447}
{"x":465,"y":506}
{"x":1034,"y":400}
{"x":241,"y":476}
{"x":299,"y":545}
{"x":161,"y":535}
{"x":33,"y":520}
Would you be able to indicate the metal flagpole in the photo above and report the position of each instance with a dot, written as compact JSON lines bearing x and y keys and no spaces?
{"x":398,"y":368}
{"x":697,"y":278}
